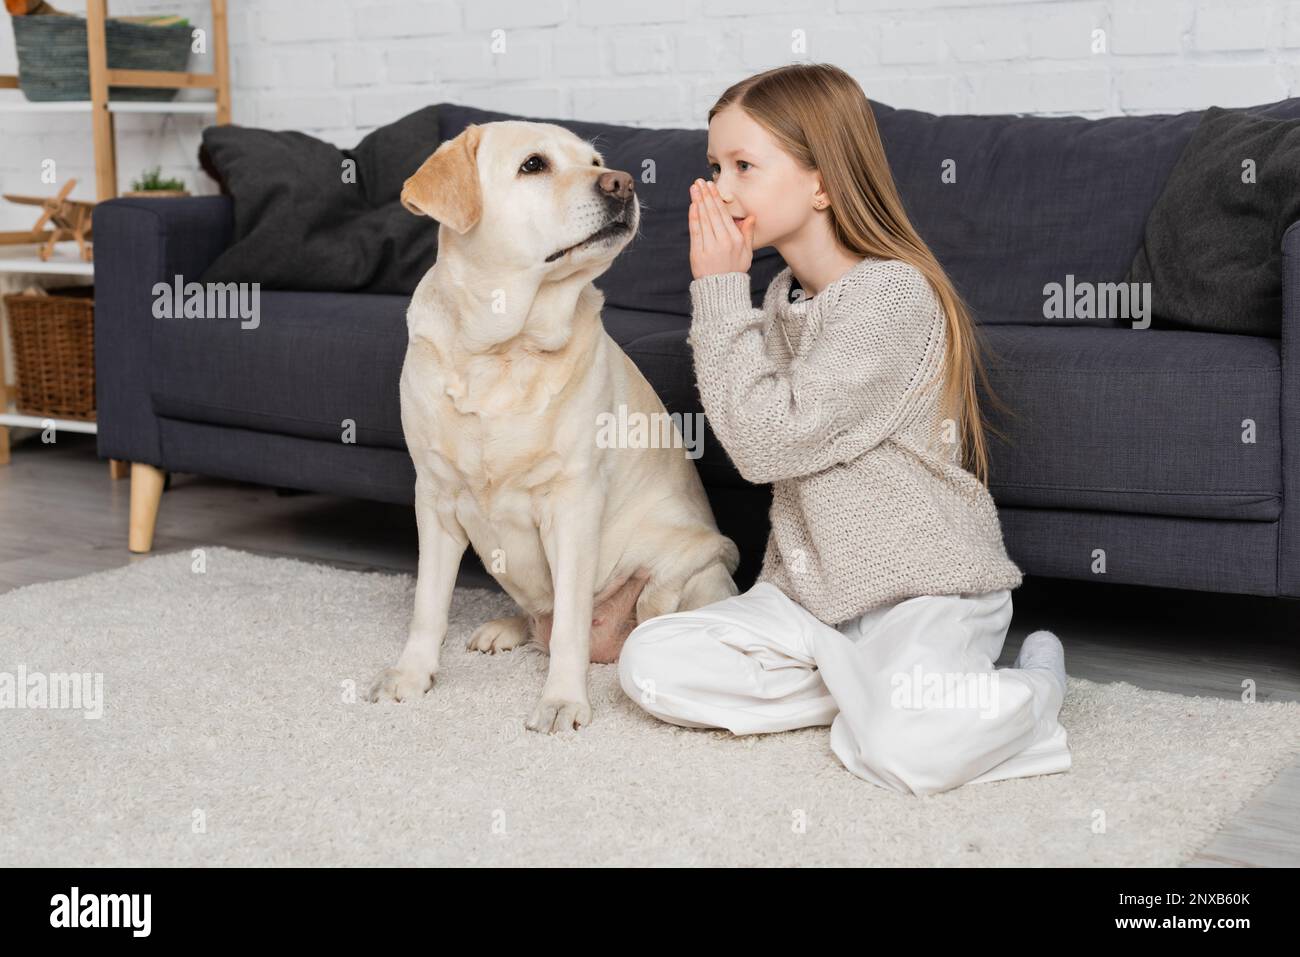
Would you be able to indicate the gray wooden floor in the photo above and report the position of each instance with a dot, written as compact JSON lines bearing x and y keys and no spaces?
{"x":61,"y":517}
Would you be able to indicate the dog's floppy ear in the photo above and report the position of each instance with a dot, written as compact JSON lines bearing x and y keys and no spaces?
{"x":446,"y":185}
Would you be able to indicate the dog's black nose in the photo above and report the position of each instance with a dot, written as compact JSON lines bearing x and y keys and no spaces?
{"x":616,"y":183}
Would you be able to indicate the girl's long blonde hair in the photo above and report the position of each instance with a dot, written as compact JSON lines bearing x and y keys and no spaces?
{"x":820,"y":116}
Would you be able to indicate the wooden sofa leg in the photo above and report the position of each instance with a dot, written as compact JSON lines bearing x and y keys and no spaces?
{"x":146,"y":493}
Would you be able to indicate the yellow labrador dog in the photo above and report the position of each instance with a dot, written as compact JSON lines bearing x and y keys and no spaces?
{"x":507,"y":375}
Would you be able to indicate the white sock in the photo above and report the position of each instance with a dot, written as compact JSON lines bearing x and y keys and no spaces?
{"x":1042,"y":649}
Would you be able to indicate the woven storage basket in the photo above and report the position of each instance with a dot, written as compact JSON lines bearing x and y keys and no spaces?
{"x":52,"y":56}
{"x":54,"y":352}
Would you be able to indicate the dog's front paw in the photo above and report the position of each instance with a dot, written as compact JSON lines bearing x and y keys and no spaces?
{"x":396,"y":684}
{"x":499,"y":634}
{"x":559,"y":714}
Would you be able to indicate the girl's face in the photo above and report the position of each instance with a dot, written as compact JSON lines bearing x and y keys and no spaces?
{"x":756,"y":177}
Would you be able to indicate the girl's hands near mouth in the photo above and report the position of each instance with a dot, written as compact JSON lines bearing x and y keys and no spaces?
{"x":718,"y":244}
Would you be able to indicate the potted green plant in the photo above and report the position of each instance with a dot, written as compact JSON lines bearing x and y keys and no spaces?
{"x":152,"y":184}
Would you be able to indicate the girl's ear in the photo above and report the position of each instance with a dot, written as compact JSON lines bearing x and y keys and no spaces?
{"x":820,"y":199}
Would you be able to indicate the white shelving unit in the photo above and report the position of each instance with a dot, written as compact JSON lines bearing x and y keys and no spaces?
{"x":123,"y":106}
{"x":38,"y":422}
{"x":64,"y":261}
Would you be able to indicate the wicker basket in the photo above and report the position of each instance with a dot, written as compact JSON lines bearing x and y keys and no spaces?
{"x":52,"y":56}
{"x":54,"y":352}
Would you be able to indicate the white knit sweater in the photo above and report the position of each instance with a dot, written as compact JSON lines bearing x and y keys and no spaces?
{"x":870,"y":504}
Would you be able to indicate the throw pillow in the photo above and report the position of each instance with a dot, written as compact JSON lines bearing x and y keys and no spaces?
{"x":1212,"y":245}
{"x":304,"y":220}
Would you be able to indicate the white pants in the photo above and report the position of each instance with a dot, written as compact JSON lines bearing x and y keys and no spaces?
{"x":914,"y":701}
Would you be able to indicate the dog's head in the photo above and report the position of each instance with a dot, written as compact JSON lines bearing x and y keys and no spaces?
{"x":527,"y":195}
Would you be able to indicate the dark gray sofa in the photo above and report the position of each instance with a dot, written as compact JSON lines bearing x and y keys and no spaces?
{"x":1126,"y":446}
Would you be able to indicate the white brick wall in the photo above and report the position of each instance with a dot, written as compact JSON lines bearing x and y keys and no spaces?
{"x":338,"y":68}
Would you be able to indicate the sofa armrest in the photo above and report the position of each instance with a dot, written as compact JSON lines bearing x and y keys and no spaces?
{"x":1288,"y":547}
{"x":140,"y":242}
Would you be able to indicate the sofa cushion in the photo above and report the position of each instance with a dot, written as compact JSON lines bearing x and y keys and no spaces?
{"x":1125,"y":420}
{"x":1120,"y":420}
{"x":314,"y":360}
{"x":1158,"y":422}
{"x":1108,"y":419}
{"x":664,"y":358}
{"x":1034,"y":199}
{"x":317,"y":359}
{"x":1212,"y":247}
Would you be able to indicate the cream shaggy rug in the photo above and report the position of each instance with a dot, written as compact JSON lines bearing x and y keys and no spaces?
{"x":234,"y":731}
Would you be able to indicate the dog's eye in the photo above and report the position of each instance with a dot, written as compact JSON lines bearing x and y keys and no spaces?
{"x":595,"y":162}
{"x":534,"y":164}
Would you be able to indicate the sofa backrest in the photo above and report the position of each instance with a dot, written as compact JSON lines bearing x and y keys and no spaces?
{"x":1031,"y":201}
{"x":1035,"y":199}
